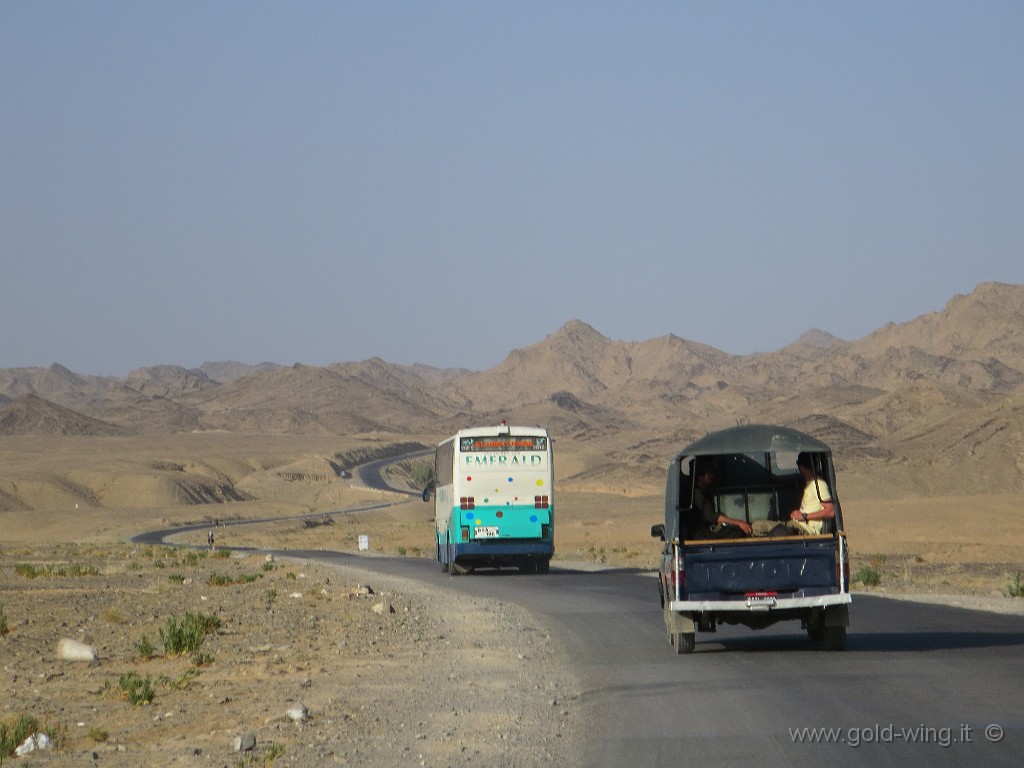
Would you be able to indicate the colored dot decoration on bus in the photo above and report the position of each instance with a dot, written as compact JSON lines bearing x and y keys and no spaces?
{"x":470,"y":515}
{"x":499,"y":513}
{"x":533,"y":518}
{"x":540,"y":482}
{"x":510,"y":479}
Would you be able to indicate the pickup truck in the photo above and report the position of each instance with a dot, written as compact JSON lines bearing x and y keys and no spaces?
{"x":784,"y":574}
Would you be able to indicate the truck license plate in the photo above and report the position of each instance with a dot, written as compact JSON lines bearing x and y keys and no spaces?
{"x":760,"y":600}
{"x":486,"y":531}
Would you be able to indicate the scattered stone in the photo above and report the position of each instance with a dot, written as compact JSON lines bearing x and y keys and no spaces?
{"x":383,"y":607}
{"x":298,"y":713}
{"x":36,"y":741}
{"x":245,"y":743}
{"x":72,"y":650}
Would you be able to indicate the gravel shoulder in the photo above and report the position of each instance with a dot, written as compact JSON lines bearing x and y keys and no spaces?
{"x":389,"y":671}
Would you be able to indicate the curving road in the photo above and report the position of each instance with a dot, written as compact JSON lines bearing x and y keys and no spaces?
{"x":918,"y":684}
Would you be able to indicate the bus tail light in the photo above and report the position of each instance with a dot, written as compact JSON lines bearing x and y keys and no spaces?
{"x":465,"y":533}
{"x":467,"y":502}
{"x":540,"y":502}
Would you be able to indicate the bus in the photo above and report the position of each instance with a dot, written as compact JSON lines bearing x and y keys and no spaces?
{"x":494,"y":502}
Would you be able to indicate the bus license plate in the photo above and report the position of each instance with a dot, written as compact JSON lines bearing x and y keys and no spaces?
{"x":486,"y":531}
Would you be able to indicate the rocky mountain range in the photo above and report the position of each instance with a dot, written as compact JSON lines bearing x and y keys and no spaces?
{"x":932,"y":394}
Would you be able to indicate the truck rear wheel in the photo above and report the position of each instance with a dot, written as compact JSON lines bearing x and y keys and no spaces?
{"x":684,"y":642}
{"x":835,"y":638}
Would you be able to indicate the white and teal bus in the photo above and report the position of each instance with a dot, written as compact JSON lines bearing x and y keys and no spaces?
{"x":494,"y":502}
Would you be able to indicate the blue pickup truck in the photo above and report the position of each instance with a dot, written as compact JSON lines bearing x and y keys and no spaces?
{"x":780,"y":565}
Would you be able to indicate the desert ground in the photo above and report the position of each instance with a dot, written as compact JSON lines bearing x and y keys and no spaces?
{"x":310,"y":664}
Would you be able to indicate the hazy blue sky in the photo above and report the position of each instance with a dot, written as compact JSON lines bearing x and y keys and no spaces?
{"x":443,"y":182}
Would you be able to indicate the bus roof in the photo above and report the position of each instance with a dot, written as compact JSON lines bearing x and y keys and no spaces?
{"x":497,"y":429}
{"x":753,"y":438}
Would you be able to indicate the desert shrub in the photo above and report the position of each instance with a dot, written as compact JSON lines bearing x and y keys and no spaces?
{"x":271,"y":754}
{"x":135,"y":689}
{"x":221,"y":580}
{"x":30,"y":571}
{"x":145,"y":648}
{"x":202,"y":659}
{"x":867,"y":576}
{"x":181,"y":636}
{"x":4,"y":629}
{"x":1014,"y":589}
{"x":98,"y":735}
{"x":182,"y":682}
{"x":422,"y":475}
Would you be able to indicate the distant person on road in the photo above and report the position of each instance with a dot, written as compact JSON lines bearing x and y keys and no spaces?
{"x":209,"y":538}
{"x":713,"y":525}
{"x":816,"y":505}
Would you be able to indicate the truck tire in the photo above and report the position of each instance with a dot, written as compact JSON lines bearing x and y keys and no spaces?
{"x":684,"y":642}
{"x":835,"y":638}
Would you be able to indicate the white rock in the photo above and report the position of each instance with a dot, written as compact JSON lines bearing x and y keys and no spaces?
{"x":298,"y":713}
{"x":72,"y":650}
{"x":36,"y":741}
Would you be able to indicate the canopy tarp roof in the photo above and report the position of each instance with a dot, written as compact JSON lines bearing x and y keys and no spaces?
{"x":753,"y":438}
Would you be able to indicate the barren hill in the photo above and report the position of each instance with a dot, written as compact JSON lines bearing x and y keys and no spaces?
{"x":32,"y":415}
{"x":916,"y":399}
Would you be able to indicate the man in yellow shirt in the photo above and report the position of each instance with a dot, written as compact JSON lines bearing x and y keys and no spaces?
{"x":816,"y":505}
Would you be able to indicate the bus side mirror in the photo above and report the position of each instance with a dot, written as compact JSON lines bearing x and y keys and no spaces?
{"x":658,"y":531}
{"x":426,"y":493}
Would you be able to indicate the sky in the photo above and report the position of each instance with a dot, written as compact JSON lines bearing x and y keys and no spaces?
{"x":443,"y":182}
